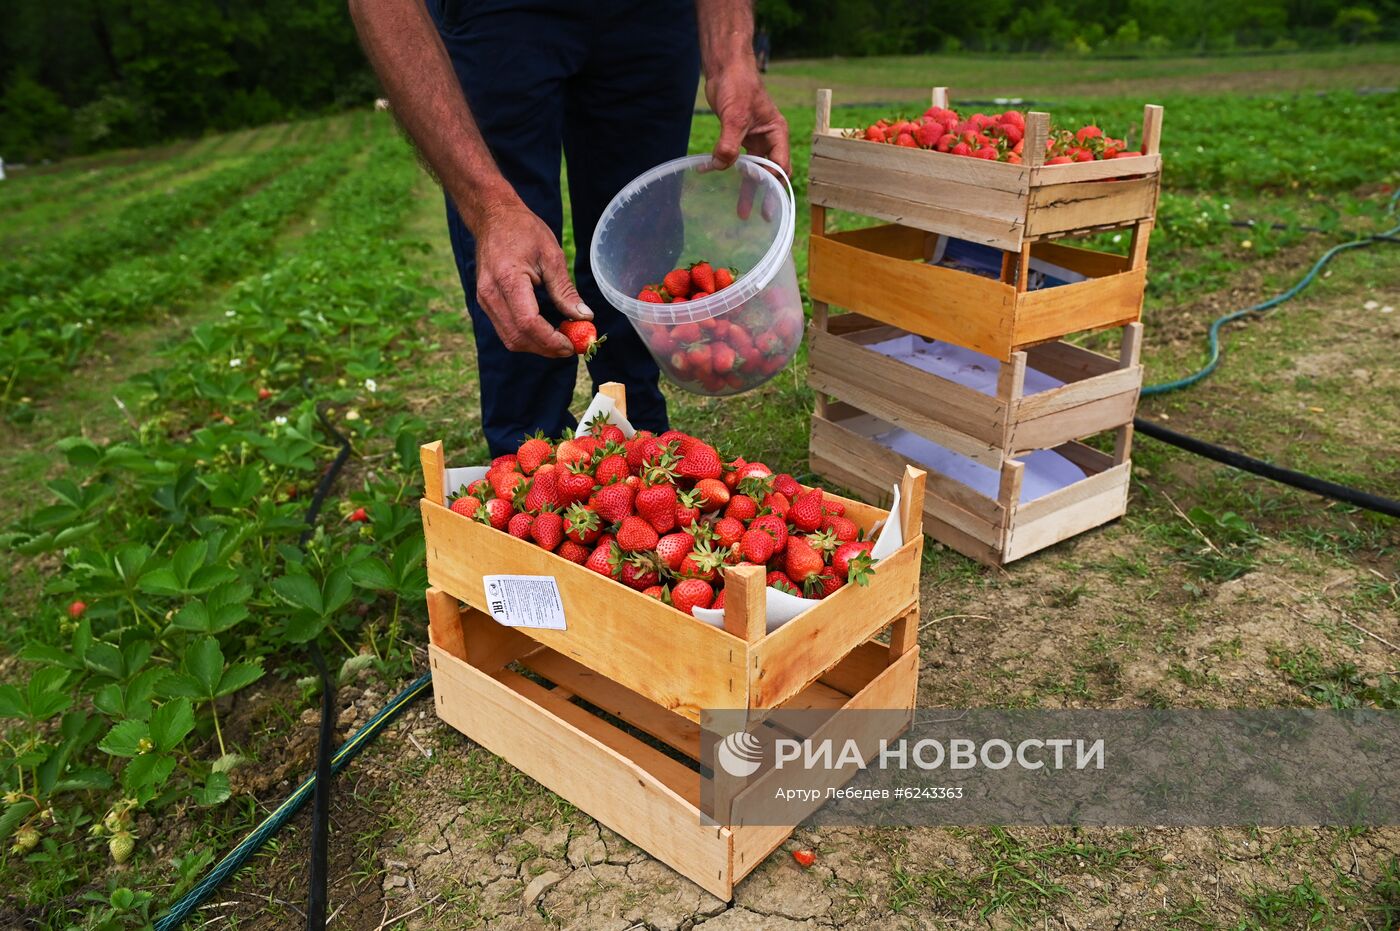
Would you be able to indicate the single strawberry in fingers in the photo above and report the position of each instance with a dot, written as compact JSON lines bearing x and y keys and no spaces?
{"x":583,"y":335}
{"x":689,"y":594}
{"x":635,"y":535}
{"x":677,"y":283}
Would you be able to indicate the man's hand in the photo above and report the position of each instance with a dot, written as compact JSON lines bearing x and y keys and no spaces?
{"x":747,"y":116}
{"x":515,"y":251}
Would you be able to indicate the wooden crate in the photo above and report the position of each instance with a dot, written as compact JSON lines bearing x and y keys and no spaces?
{"x":647,"y":795}
{"x":1099,"y":393}
{"x":681,"y":663}
{"x":996,"y":203}
{"x":993,"y":530}
{"x":882,"y":272}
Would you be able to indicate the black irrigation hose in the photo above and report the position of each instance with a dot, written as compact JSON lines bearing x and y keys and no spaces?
{"x":1318,"y":486}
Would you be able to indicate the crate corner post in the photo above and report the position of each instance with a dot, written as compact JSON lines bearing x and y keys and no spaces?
{"x":823,"y":122}
{"x":432,"y":459}
{"x":617,"y":391}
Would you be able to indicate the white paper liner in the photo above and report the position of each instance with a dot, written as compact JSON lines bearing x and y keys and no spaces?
{"x":966,"y":367}
{"x":781,"y":606}
{"x":1046,"y":470}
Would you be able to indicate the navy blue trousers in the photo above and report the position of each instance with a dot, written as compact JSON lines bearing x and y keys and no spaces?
{"x":609,"y":85}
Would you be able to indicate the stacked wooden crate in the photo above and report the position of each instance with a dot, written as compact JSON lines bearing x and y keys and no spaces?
{"x":607,"y":712}
{"x":869,"y":401}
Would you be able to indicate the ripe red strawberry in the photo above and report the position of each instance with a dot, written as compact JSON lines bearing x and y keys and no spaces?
{"x":612,"y":466}
{"x":778,"y":504}
{"x":673,"y":548}
{"x":756,"y":546}
{"x":785,"y":484}
{"x":637,"y":448}
{"x":702,"y":562}
{"x":612,"y":502}
{"x":481,"y":488}
{"x":728,"y":530}
{"x":723,"y":359}
{"x":650,"y":295}
{"x":742,"y":508}
{"x":607,"y":432}
{"x":779,"y":580}
{"x":635,"y":570}
{"x":635,"y":535}
{"x":571,"y":451}
{"x":548,"y":529}
{"x":76,"y":609}
{"x":520,"y":525}
{"x":775,"y":527}
{"x":804,"y":857}
{"x":574,"y":484}
{"x":677,"y":283}
{"x":533,"y":453}
{"x":824,"y":542}
{"x":702,"y":277}
{"x":466,"y":505}
{"x":843,"y":528}
{"x":806,"y":511}
{"x":581,"y":524}
{"x":657,"y":505}
{"x":544,"y":491}
{"x":827,"y":583}
{"x":1088,"y":132}
{"x":724,"y":277}
{"x":700,"y":461}
{"x":656,"y":591}
{"x":690,"y":594}
{"x":583,"y":335}
{"x":497,"y":512}
{"x":928,"y":134}
{"x":687,"y":508}
{"x":833,"y":506}
{"x":713,"y":494}
{"x":718,"y":603}
{"x":358,"y":516}
{"x":852,"y":562}
{"x":573,"y":552}
{"x":600,"y":560}
{"x":803,"y":564}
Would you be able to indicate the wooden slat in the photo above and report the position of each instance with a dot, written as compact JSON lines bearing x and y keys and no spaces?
{"x":964,"y":309}
{"x":430,"y":456}
{"x":1060,"y":208}
{"x":1069,"y":362}
{"x":445,"y":623}
{"x":627,"y":785}
{"x":849,"y":441}
{"x":964,"y":206}
{"x":859,"y":668}
{"x":904,"y":632}
{"x":863,"y":199}
{"x":891,"y":239}
{"x":1097,"y":170}
{"x":1052,"y":313}
{"x":992,"y":176}
{"x":1068,"y":512}
{"x":953,"y":415}
{"x":617,"y":700}
{"x":1086,"y":457}
{"x":1062,"y":424}
{"x":611,"y":628}
{"x":1089,"y":262}
{"x":796,"y":655}
{"x":823,"y":118}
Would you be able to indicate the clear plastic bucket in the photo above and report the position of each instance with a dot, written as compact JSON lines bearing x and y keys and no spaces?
{"x":682,"y":212}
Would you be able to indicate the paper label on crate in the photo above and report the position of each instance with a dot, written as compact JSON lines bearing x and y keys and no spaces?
{"x":525,"y":601}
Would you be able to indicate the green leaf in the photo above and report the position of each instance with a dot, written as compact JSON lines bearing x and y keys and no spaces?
{"x":12,"y":702}
{"x":147,"y":771}
{"x":84,"y":779}
{"x":215,"y":790}
{"x":204,"y":662}
{"x":303,"y":626}
{"x":171,"y":722}
{"x":14,"y":816}
{"x":373,"y":574}
{"x":337,"y":591}
{"x":238,"y":676}
{"x":81,"y":452}
{"x":300,"y":591}
{"x":124,"y":739}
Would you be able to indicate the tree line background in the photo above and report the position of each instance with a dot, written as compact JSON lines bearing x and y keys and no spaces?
{"x":80,"y":75}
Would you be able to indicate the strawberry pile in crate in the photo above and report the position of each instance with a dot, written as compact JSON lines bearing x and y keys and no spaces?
{"x":664,"y":514}
{"x":999,"y":138}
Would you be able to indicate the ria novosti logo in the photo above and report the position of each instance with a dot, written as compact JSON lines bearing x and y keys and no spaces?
{"x":740,"y":754}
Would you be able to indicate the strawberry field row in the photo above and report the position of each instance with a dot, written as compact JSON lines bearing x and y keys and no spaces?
{"x":173,"y":571}
{"x":158,"y":219}
{"x":55,"y":328}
